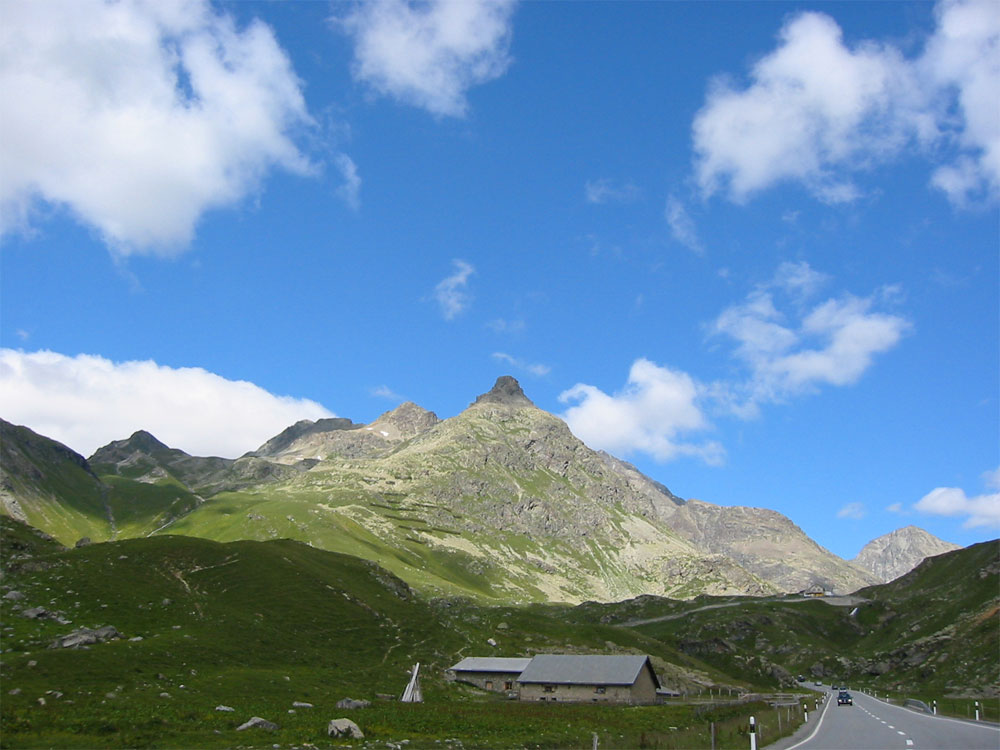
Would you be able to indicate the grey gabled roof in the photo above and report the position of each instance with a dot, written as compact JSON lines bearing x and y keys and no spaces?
{"x":491,"y":664}
{"x":586,"y":669}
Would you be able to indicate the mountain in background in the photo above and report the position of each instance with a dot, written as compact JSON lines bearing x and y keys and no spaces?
{"x":897,"y":553}
{"x":500,"y":502}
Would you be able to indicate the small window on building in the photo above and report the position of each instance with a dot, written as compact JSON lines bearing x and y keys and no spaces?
{"x":549,"y":689}
{"x":489,"y":684}
{"x":509,"y":685}
{"x":600,"y":689}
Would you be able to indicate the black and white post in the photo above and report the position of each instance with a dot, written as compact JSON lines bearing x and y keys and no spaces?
{"x":753,"y":733}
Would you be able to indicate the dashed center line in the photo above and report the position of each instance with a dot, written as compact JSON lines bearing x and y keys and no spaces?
{"x":902,"y":733}
{"x":909,"y":743}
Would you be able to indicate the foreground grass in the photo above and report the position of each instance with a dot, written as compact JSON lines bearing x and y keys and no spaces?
{"x":188,"y":722}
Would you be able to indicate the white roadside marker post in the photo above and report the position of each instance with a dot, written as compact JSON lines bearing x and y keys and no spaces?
{"x":935,"y":707}
{"x":977,"y":710}
{"x":753,"y":733}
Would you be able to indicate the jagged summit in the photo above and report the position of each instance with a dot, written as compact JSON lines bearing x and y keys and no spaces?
{"x":405,"y":421}
{"x":506,"y":391}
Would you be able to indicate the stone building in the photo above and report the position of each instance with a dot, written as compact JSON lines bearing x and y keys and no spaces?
{"x":490,"y":672}
{"x":589,"y":679}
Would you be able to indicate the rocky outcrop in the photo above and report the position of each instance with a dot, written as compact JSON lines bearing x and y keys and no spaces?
{"x":86,"y":636}
{"x":767,"y":544}
{"x":892,"y":555}
{"x":344,"y":728}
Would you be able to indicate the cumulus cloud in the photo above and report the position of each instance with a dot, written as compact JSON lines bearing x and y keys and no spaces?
{"x":535,"y":369}
{"x":138,"y":117}
{"x":606,"y":190}
{"x":429,"y":54}
{"x":979,"y":511}
{"x":854,"y":511}
{"x":816,"y":110}
{"x":651,"y":415}
{"x":792,"y":351}
{"x":682,"y":226}
{"x":87,"y":401}
{"x":451,"y":294}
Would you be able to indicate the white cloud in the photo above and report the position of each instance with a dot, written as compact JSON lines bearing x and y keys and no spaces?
{"x":502,"y":325}
{"x":682,"y":225}
{"x":854,"y":511}
{"x":87,"y":401}
{"x":963,"y":57}
{"x":384,"y":391}
{"x":138,"y":117}
{"x":605,"y":190}
{"x":656,"y":407}
{"x":450,"y":292}
{"x":816,"y":111}
{"x":991,"y":479}
{"x":535,"y":369}
{"x":833,"y":342}
{"x":429,"y":54}
{"x":895,"y":508}
{"x":350,"y":189}
{"x":981,"y":510}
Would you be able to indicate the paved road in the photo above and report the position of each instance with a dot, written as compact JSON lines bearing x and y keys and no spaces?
{"x":874,"y":725}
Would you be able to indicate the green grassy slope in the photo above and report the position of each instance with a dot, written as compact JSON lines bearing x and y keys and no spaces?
{"x":256,"y":626}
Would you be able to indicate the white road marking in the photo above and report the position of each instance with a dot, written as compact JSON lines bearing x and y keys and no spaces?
{"x":909,"y":743}
{"x":902,"y":733}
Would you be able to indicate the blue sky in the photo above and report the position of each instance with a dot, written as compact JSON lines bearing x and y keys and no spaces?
{"x":750,"y":247}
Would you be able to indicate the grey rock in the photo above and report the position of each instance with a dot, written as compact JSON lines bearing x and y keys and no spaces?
{"x":344,"y":728}
{"x":301,"y":704}
{"x":350,"y":704}
{"x":13,"y":595}
{"x":255,"y":722}
{"x":86,"y":637}
{"x":15,"y":691}
{"x":36,"y":613}
{"x":220,"y":707}
{"x":83,"y":541}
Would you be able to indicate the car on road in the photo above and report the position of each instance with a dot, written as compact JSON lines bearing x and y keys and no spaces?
{"x":844,"y":699}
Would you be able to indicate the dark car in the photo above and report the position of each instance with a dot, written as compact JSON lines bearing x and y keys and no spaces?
{"x":845,"y":699}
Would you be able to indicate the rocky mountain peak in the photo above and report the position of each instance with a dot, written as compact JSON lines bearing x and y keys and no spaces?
{"x":506,"y":391}
{"x":898,"y":552}
{"x":408,"y":419}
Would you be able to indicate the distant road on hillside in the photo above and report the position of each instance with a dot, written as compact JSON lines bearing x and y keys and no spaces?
{"x":874,"y":725}
{"x":836,"y":601}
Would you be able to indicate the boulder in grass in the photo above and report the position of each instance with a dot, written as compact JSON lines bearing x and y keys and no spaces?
{"x":301,"y":704}
{"x":350,"y":704}
{"x":224,"y":708}
{"x":255,"y":722}
{"x":344,"y":728}
{"x":85,"y":637}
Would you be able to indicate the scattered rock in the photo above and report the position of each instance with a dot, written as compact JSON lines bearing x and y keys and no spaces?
{"x":350,"y":704}
{"x":255,"y":722}
{"x":491,"y":642}
{"x":344,"y":728}
{"x":32,"y":663}
{"x":503,"y":626}
{"x":164,"y":695}
{"x":303,"y":704}
{"x":13,"y":595}
{"x":83,"y":541}
{"x":85,"y":637}
{"x":220,"y":707}
{"x":41,"y":701}
{"x":165,"y":602}
{"x":36,"y":613}
{"x":135,"y":638}
{"x":15,"y":691}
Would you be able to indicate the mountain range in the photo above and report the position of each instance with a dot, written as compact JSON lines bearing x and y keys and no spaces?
{"x":500,"y":503}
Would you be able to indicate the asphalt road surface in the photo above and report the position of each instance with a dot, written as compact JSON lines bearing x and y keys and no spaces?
{"x":874,"y":725}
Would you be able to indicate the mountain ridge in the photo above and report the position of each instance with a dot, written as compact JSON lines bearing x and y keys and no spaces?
{"x":499,"y":502}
